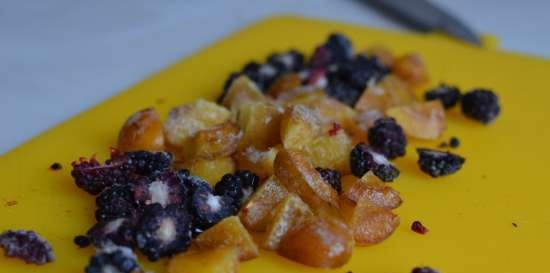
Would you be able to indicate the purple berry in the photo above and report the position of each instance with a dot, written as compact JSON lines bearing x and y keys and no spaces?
{"x":26,"y":245}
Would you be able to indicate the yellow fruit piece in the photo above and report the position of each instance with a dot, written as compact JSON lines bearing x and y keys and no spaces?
{"x":383,"y":54}
{"x":218,"y":141}
{"x":411,"y":68}
{"x":229,"y":232}
{"x":390,"y":91}
{"x":319,"y":242}
{"x":261,"y":123}
{"x":241,"y":91}
{"x":185,"y":121}
{"x":328,"y":108}
{"x":211,"y":170}
{"x":284,"y":83}
{"x":289,"y":214}
{"x":299,"y":126}
{"x":217,"y":260}
{"x":369,"y":187}
{"x":420,"y":120}
{"x":332,"y":152}
{"x":257,"y":161}
{"x":142,"y":131}
{"x":255,"y":214}
{"x":298,"y":175}
{"x":369,"y":223}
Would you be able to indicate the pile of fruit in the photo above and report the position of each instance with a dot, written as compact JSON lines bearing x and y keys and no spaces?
{"x":294,"y":157}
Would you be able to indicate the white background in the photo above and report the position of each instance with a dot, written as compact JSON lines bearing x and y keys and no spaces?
{"x":59,"y":57}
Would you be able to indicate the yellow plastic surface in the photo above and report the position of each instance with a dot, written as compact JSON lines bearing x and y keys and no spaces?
{"x":470,"y":214}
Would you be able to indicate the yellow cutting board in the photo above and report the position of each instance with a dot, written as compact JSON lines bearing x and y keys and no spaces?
{"x":505,"y":179}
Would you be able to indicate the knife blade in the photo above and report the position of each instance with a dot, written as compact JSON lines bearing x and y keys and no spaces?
{"x":425,"y":16}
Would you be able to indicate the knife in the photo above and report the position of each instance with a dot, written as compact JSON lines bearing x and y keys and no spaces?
{"x":425,"y":16}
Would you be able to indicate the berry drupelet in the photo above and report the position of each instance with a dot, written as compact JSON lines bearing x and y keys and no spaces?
{"x":81,"y":241}
{"x":437,"y":163}
{"x":481,"y":105}
{"x":447,"y":94}
{"x":26,"y":245}
{"x":239,"y":186}
{"x":423,"y":269}
{"x":113,"y":259}
{"x":332,"y":177}
{"x":163,"y":232}
{"x":387,"y":137}
{"x":364,"y":159}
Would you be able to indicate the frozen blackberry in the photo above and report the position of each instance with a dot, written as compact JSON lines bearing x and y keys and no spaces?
{"x":343,"y":91}
{"x":437,"y":163}
{"x":163,"y":232}
{"x":332,"y":177}
{"x":447,"y":94}
{"x":149,"y":163}
{"x":113,"y":259}
{"x":115,"y":202}
{"x":340,"y":47}
{"x":290,"y":61}
{"x":208,"y":209}
{"x":93,"y":177}
{"x":26,"y":245}
{"x":239,"y":186}
{"x":387,"y":137}
{"x":481,"y":105}
{"x":117,"y":231}
{"x":358,"y":71}
{"x":364,"y":159}
{"x":165,"y":189}
{"x":192,"y":183}
{"x":423,"y":269}
{"x":261,"y":75}
{"x":81,"y":241}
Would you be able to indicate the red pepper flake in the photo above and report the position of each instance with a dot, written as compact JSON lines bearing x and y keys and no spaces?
{"x":56,"y":166}
{"x":335,"y":129}
{"x":419,"y":228}
{"x":11,"y":203}
{"x":315,"y":76}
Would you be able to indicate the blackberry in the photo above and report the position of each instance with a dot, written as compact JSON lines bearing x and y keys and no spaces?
{"x":192,"y":183}
{"x":164,"y":189}
{"x":117,"y":231}
{"x":364,"y":159}
{"x":115,"y":202}
{"x":424,"y":269}
{"x":437,"y":163}
{"x":387,"y":137}
{"x":261,"y":75}
{"x":290,"y":61}
{"x":332,"y":177}
{"x":113,"y":259}
{"x":208,"y":209}
{"x":163,"y":232}
{"x":481,"y":105}
{"x":227,"y":84}
{"x":94,"y":177}
{"x":239,"y":186}
{"x":359,"y":71}
{"x":149,"y":163}
{"x":340,"y":47}
{"x":81,"y":241}
{"x":447,"y":94}
{"x":343,"y":91}
{"x":26,"y":245}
